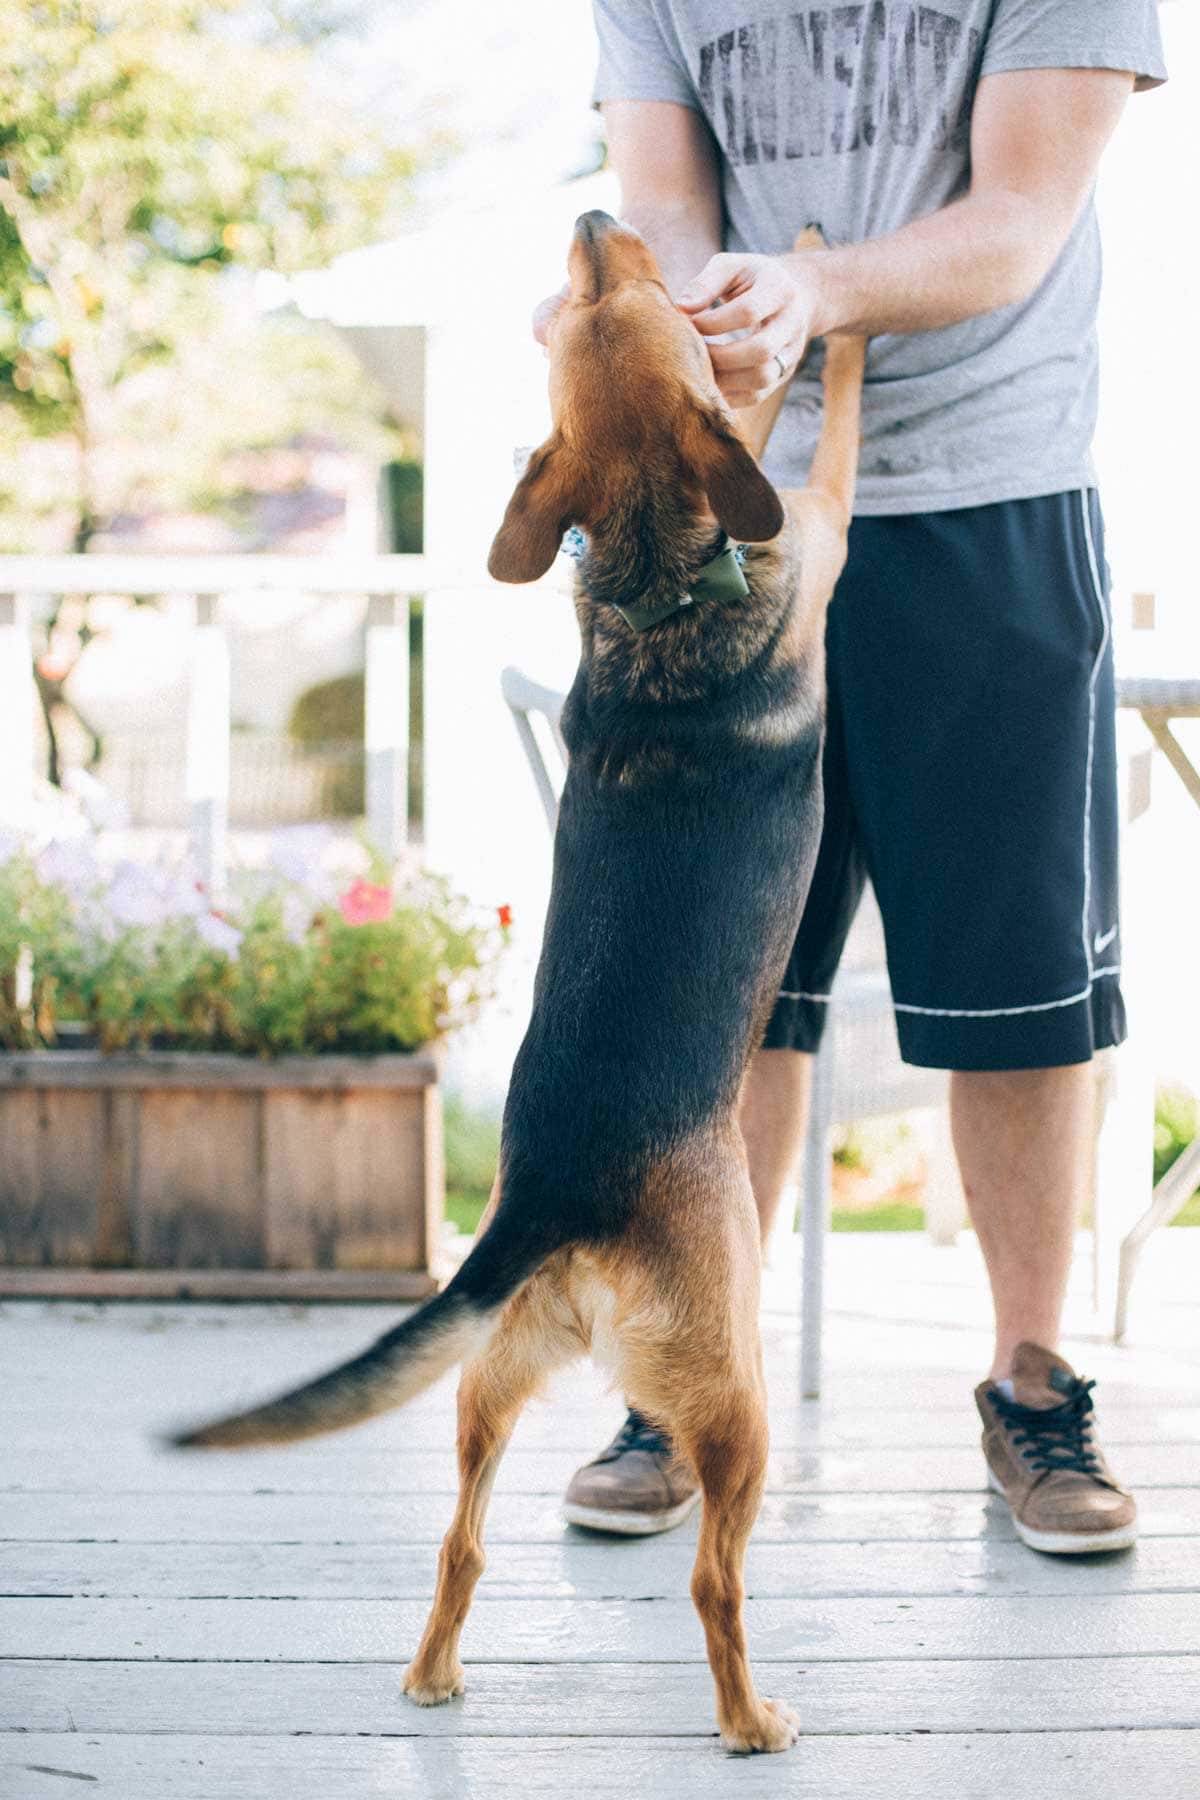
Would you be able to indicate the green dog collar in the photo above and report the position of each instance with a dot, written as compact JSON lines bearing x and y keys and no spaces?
{"x":720,"y":579}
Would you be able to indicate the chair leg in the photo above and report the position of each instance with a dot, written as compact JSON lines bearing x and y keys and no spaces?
{"x":814,"y":1215}
{"x":945,"y":1205}
{"x":1170,"y":1196}
{"x":1123,"y":1181}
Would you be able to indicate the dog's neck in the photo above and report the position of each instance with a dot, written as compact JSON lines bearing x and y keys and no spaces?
{"x":646,"y":550}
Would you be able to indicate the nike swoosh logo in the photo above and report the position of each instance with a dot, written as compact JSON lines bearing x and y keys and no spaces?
{"x":1101,"y":943}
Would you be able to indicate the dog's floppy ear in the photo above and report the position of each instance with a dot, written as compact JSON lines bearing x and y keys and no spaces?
{"x":540,"y":510}
{"x":746,"y":504}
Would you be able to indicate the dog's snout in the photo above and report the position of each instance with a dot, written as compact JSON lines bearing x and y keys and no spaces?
{"x":591,"y":226}
{"x":605,"y":253}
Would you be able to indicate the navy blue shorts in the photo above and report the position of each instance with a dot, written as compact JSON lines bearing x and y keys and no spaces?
{"x":970,"y":772}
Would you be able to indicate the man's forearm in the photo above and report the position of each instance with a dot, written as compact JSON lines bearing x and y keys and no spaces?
{"x":982,"y":252}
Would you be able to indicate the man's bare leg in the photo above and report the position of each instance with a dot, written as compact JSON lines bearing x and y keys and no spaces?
{"x":1024,"y":1143}
{"x":773,"y":1118}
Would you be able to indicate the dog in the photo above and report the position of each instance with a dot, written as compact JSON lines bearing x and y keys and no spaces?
{"x":622,"y":1219}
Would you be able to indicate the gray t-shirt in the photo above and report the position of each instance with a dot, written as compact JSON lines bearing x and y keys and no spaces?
{"x":857,"y":118}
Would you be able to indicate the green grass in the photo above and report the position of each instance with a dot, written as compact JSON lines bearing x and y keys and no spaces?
{"x":893,"y":1215}
{"x":1191,"y":1212}
{"x":463,"y":1209}
{"x":464,"y":1206}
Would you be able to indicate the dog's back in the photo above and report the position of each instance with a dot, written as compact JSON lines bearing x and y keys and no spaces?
{"x":686,"y":834}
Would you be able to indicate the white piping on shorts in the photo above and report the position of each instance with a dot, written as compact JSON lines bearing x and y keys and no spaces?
{"x":1098,"y":589}
{"x":1005,"y":1012}
{"x":1094,"y":974}
{"x":977,"y":1012}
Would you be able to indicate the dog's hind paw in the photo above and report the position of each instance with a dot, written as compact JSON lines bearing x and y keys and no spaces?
{"x":423,"y":1690}
{"x":776,"y":1728}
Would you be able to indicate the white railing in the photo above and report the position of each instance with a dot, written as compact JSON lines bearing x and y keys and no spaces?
{"x":388,"y":583}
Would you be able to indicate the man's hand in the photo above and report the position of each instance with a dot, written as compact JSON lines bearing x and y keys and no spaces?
{"x":774,"y":301}
{"x":544,"y":314}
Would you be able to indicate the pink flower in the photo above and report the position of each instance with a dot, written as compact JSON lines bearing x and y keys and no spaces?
{"x":366,"y":903}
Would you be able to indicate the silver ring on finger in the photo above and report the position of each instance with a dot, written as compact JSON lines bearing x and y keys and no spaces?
{"x":780,"y":365}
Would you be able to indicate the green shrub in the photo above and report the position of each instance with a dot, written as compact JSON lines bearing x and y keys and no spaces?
{"x":330,"y":711}
{"x":1176,"y":1124}
{"x":334,"y":713}
{"x":472,"y":1156}
{"x":138,"y":958}
{"x":405,"y":490}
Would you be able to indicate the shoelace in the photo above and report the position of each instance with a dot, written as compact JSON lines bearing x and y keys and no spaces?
{"x":1056,"y":1437}
{"x":636,"y":1433}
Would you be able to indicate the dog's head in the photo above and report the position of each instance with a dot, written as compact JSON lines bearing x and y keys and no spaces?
{"x":631,"y":391}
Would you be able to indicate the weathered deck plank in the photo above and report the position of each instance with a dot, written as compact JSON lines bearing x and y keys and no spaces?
{"x":542,"y":1629}
{"x":130,"y":1468}
{"x":1108,"y":1765}
{"x":582,"y":1425}
{"x":607,"y":1700}
{"x":421,"y":1519}
{"x":638,"y":1569}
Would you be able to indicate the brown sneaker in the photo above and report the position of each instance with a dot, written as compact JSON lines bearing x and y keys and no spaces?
{"x":636,"y":1486}
{"x":1042,"y":1455}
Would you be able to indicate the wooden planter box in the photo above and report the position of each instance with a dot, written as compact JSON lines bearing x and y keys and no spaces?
{"x":168,"y":1174}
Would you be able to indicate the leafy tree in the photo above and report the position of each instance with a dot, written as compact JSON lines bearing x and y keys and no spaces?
{"x":153,"y":155}
{"x":149,"y":151}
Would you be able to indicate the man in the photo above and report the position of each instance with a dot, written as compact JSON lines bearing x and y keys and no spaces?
{"x":948,"y":154}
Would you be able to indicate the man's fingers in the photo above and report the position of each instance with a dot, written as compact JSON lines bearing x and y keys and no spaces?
{"x":744,"y":395}
{"x":755,"y":353}
{"x":718,"y":275}
{"x":740,"y":314}
{"x":747,"y":383}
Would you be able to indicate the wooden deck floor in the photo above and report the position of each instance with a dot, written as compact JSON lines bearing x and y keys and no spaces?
{"x":234,"y":1628}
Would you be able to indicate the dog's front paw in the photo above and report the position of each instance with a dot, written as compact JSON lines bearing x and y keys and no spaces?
{"x":432,"y":1687}
{"x":775,"y":1727}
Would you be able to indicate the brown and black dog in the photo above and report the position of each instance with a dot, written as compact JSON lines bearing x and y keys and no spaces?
{"x":622,"y":1219}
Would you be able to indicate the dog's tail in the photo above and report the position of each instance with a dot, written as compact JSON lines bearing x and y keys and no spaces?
{"x":401,"y":1363}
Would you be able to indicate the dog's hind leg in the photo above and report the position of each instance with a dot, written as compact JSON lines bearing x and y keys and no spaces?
{"x":688,"y":1324}
{"x":691,"y":1361}
{"x":534,"y":1336}
{"x":728,"y":1450}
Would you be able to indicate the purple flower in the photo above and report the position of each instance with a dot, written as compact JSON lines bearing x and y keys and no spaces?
{"x":219,"y":934}
{"x":70,"y":863}
{"x":297,"y":917}
{"x":298,"y":852}
{"x":135,"y":896}
{"x":183,"y":894}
